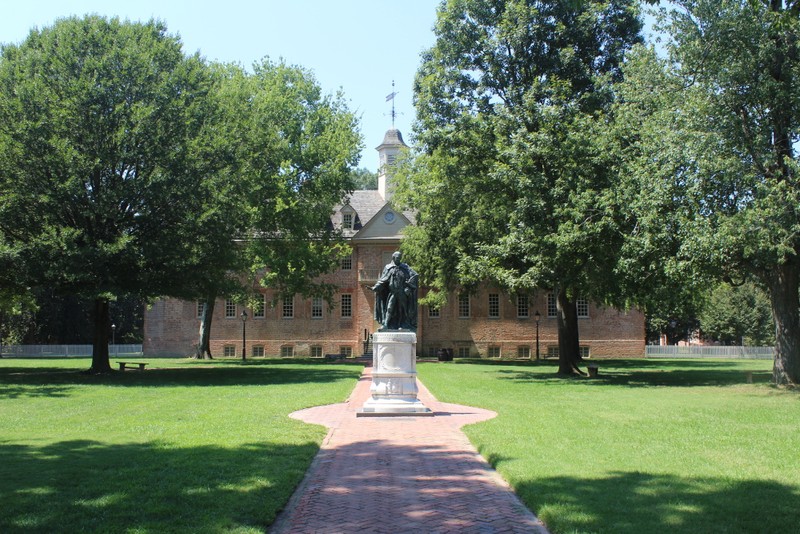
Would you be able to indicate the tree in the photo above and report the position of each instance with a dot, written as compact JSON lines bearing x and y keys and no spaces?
{"x":365,"y":179}
{"x":104,"y":164}
{"x":728,"y":91}
{"x":513,"y":183}
{"x":292,"y":150}
{"x":736,"y":315}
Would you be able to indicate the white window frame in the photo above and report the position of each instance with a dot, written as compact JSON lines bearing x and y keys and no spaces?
{"x":494,"y":306}
{"x":347,"y":263}
{"x":552,"y":308}
{"x":260,"y":308}
{"x":523,"y":307}
{"x":317,"y":307}
{"x":464,"y":306}
{"x":288,"y":308}
{"x":230,"y":309}
{"x":229,"y":351}
{"x":582,"y":308}
{"x":346,"y":306}
{"x":287,"y":351}
{"x":348,"y":220}
{"x":434,"y":313}
{"x":258,"y":351}
{"x":494,"y":351}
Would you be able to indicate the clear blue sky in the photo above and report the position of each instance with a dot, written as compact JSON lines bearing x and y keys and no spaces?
{"x":358,"y":46}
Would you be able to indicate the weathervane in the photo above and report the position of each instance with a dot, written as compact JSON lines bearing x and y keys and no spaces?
{"x":391,"y":96}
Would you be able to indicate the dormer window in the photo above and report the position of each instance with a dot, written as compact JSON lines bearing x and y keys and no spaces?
{"x":347,"y":221}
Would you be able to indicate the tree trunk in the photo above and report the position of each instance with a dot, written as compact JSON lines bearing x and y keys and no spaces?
{"x":100,"y":362}
{"x":569,"y":354}
{"x":204,"y":345}
{"x":783,"y":295}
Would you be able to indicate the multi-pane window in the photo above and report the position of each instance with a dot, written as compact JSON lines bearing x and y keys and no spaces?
{"x":494,"y":305}
{"x":524,"y":352}
{"x":229,"y":351}
{"x":316,"y":308}
{"x":258,"y":351}
{"x":463,"y":352}
{"x":347,"y":263}
{"x":347,"y":306}
{"x":260,"y":306}
{"x":463,"y":305}
{"x":316,"y":351}
{"x":552,"y":309}
{"x":494,"y":351}
{"x":347,"y":221}
{"x":433,"y":313}
{"x":584,"y":352}
{"x":433,"y":352}
{"x":522,"y":306}
{"x":200,"y":307}
{"x":583,"y":307}
{"x":287,"y":351}
{"x":345,"y":351}
{"x":552,"y":351}
{"x":230,"y":309}
{"x":288,"y":307}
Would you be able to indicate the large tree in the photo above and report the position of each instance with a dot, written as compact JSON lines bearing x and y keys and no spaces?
{"x":291,"y":150}
{"x":720,"y":121}
{"x":104,"y":167}
{"x":514,"y":183}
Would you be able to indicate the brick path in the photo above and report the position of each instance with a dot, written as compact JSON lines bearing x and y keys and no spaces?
{"x":401,"y":474}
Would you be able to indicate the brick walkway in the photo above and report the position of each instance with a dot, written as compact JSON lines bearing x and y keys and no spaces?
{"x":401,"y":474}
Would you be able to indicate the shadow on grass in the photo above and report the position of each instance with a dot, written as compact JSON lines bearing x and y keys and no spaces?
{"x":54,"y":381}
{"x":87,"y":486}
{"x":634,"y":502}
{"x":637,"y":372}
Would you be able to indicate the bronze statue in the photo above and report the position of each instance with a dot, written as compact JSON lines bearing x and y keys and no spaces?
{"x":396,"y":296}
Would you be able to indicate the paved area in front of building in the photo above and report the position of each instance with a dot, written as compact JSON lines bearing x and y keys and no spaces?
{"x":401,"y":474}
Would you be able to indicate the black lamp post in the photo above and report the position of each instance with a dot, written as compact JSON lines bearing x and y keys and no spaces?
{"x":113,"y":336}
{"x":537,"y":316}
{"x":244,"y":332}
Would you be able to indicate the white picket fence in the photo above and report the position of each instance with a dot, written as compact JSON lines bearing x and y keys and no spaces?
{"x":736,"y":352}
{"x":65,"y":351}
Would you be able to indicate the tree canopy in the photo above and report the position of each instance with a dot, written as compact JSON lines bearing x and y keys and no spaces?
{"x":513,"y":183}
{"x":713,"y":126}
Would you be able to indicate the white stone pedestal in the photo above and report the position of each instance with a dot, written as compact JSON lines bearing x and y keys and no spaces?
{"x":394,"y":377}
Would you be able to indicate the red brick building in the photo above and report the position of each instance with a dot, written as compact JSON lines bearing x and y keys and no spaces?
{"x":490,"y":323}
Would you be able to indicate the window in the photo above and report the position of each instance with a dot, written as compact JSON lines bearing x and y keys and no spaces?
{"x":347,"y":263}
{"x":552,"y":309}
{"x":494,"y":305}
{"x":316,"y":351}
{"x":494,"y":351}
{"x":583,"y":307}
{"x":347,"y":306}
{"x":432,"y":352}
{"x":347,"y":352}
{"x":552,"y":351}
{"x":230,"y":309}
{"x":287,"y":351}
{"x":584,"y":352}
{"x":288,"y":307}
{"x":433,"y":313}
{"x":316,"y":308}
{"x":463,"y":352}
{"x":463,"y":305}
{"x":523,"y":312}
{"x":229,"y":351}
{"x":347,"y":221}
{"x":258,"y":351}
{"x":524,"y":352}
{"x":200,"y":307}
{"x":260,"y":307}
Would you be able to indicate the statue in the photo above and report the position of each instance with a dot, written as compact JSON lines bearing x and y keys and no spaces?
{"x":396,"y":296}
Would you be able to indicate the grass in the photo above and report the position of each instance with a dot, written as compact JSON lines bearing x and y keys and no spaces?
{"x":184,"y":447}
{"x":649,"y":446}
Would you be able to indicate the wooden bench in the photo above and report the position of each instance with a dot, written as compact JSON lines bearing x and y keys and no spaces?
{"x":123,"y":365}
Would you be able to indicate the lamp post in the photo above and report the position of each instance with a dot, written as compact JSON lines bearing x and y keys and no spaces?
{"x":537,"y":316}
{"x":113,"y":336}
{"x":244,"y":332}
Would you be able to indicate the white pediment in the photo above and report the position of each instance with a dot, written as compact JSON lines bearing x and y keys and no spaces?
{"x":388,"y":223}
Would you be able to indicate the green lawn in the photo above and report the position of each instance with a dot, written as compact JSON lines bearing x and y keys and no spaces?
{"x":649,"y":446}
{"x":184,"y":447}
